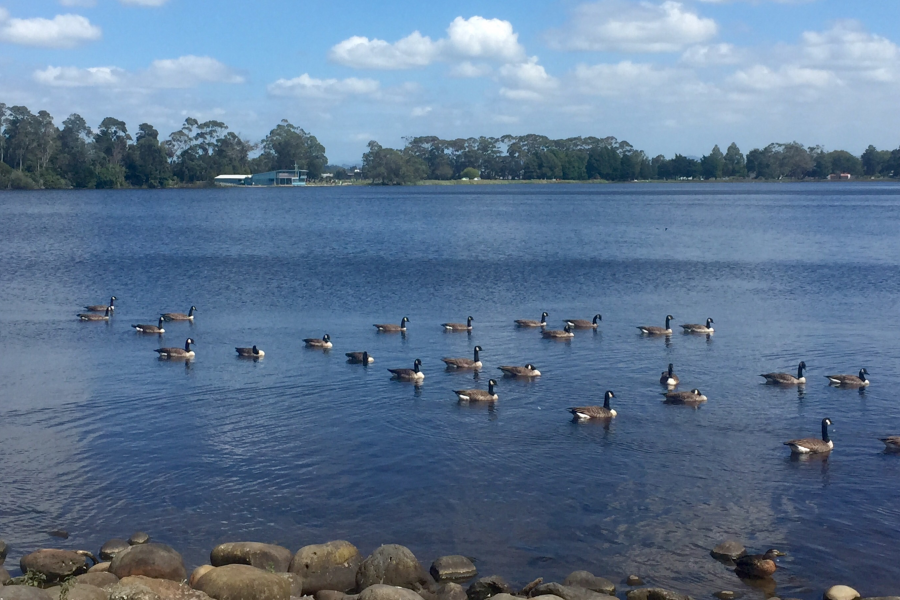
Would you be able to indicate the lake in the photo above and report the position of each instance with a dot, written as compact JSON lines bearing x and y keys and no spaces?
{"x":102,"y":439}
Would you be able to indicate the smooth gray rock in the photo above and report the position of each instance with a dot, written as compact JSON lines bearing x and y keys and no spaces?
{"x":3,"y":550}
{"x":55,"y":565}
{"x":262,"y":556}
{"x":296,"y":583}
{"x":80,"y":591}
{"x":487,"y":587}
{"x":157,"y":561}
{"x":146,"y":588}
{"x":841,"y":592}
{"x":98,"y":579}
{"x":139,"y":537}
{"x":655,"y":594}
{"x":728,"y":550}
{"x":394,"y":565}
{"x":381,"y":591}
{"x":112,"y":547}
{"x":589,"y":581}
{"x":23,"y":592}
{"x":4,"y":576}
{"x":450,"y":591}
{"x":453,"y":568}
{"x":568,"y":592}
{"x":329,"y":595}
{"x":243,"y":582}
{"x":330,"y":566}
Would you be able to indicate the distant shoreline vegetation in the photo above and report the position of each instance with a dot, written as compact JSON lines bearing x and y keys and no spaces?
{"x":36,"y":154}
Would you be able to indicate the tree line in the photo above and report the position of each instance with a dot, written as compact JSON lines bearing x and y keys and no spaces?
{"x":531,"y":157}
{"x":35,"y":153}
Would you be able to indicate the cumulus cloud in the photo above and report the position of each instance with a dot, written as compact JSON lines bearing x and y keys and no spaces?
{"x":626,"y":78}
{"x":613,"y":25}
{"x":184,"y":72}
{"x":468,"y":70}
{"x":62,"y":31}
{"x":476,"y":37}
{"x":848,"y":47}
{"x":763,"y":78}
{"x":713,"y":54}
{"x":526,"y":81}
{"x":305,"y":86}
{"x":189,"y":71}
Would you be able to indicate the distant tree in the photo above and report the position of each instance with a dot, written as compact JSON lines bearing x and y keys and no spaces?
{"x":844,"y":162}
{"x":288,"y":145}
{"x":73,"y":160}
{"x":873,"y":161}
{"x":391,"y":167}
{"x":734,"y":163}
{"x":712,"y":165}
{"x":146,"y":163}
{"x":470,"y":173}
{"x":684,"y":167}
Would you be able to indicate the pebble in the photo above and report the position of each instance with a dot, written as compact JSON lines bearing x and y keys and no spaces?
{"x":453,"y":568}
{"x":138,"y":537}
{"x":634,"y":580}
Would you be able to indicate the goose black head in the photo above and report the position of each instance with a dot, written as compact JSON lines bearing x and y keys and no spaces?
{"x":254,"y":349}
{"x":826,"y":422}
{"x":326,"y":338}
{"x":417,"y":363}
{"x":478,"y":348}
{"x":709,"y":322}
{"x":188,"y":342}
{"x":863,"y":372}
{"x":695,"y":391}
{"x":597,"y":317}
{"x":193,"y":308}
{"x":609,"y":394}
{"x":567,"y":328}
{"x":544,"y":315}
{"x":491,"y":384}
{"x":404,"y":320}
{"x":113,"y":299}
{"x":529,"y":366}
{"x":802,"y":365}
{"x":469,"y":320}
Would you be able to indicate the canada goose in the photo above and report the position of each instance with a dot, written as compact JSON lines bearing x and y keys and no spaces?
{"x":413,"y":374}
{"x":787,"y":378}
{"x":556,"y":334}
{"x":850,"y":380}
{"x":595,"y":412}
{"x":530,"y":323}
{"x":651,"y":330}
{"x":180,"y":316}
{"x":253,"y":352}
{"x":458,"y":326}
{"x":185,"y":352}
{"x":102,"y":307}
{"x":478,"y":395}
{"x":359,"y":358}
{"x":464,"y":363}
{"x":669,"y":377}
{"x":583,"y":323}
{"x":526,"y":371}
{"x":757,"y":565}
{"x":324,"y":343}
{"x":813,"y":445}
{"x":158,"y":328}
{"x":692,"y":397}
{"x":391,"y":328}
{"x":696,"y":328}
{"x":91,"y":317}
{"x":892,"y":443}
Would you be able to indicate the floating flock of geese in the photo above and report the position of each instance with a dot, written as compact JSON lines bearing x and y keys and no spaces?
{"x":668,"y":378}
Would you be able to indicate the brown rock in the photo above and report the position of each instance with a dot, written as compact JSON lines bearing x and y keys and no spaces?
{"x":486,"y":587}
{"x":3,"y":550}
{"x":150,"y":560}
{"x":100,"y":568}
{"x":200,"y":572}
{"x":23,"y":592}
{"x":388,"y":592}
{"x":453,"y":568}
{"x":147,"y":588}
{"x":655,"y":594}
{"x":112,"y":547}
{"x":526,"y":591}
{"x":4,"y":576}
{"x":79,"y":591}
{"x":329,"y":595}
{"x":591,"y":582}
{"x":392,"y":565}
{"x":139,"y":537}
{"x":728,"y":550}
{"x":568,"y":592}
{"x":243,"y":582}
{"x":330,"y":566}
{"x":634,"y":580}
{"x":98,"y":579}
{"x":296,"y":583}
{"x":268,"y":557}
{"x":450,"y":591}
{"x":55,"y":565}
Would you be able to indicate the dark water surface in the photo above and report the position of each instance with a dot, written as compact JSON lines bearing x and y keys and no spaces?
{"x":100,"y":438}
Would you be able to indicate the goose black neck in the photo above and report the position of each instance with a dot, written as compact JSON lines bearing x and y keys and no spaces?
{"x":469,"y":322}
{"x":187,"y":345}
{"x":667,"y":322}
{"x":416,"y":367}
{"x":476,"y":354}
{"x":606,"y":402}
{"x":543,"y":318}
{"x":862,"y":375}
{"x":825,"y":432}
{"x":800,"y":372}
{"x":670,"y":369}
{"x":365,"y":358}
{"x":191,"y":312}
{"x":491,"y":388}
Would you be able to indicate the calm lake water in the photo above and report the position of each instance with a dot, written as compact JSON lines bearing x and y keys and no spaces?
{"x":100,"y":438}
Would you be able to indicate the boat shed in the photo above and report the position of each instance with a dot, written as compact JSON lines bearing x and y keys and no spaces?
{"x":285,"y":177}
{"x":232,"y":180}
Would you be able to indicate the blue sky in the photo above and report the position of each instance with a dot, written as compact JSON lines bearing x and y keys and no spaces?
{"x":667,"y":76}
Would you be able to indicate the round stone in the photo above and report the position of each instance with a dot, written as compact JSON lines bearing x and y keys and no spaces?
{"x":150,"y":560}
{"x":262,"y":556}
{"x":240,"y":582}
{"x":55,"y":565}
{"x":112,"y":547}
{"x":634,"y":580}
{"x":330,"y":566}
{"x":728,"y":550}
{"x":453,"y":568}
{"x":392,"y":564}
{"x":841,"y":592}
{"x":138,"y":537}
{"x":200,"y":572}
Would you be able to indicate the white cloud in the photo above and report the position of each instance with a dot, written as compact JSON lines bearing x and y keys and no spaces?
{"x":469,"y":70}
{"x":184,"y":72}
{"x":305,"y":86}
{"x":848,"y":47}
{"x":188,"y":71}
{"x":714,"y":54}
{"x":476,"y":37}
{"x":62,"y":31}
{"x":84,"y":3}
{"x":527,"y":81}
{"x":762,"y":78}
{"x":613,"y":25}
{"x":420,"y":111}
{"x":75,"y":77}
{"x":626,"y":78}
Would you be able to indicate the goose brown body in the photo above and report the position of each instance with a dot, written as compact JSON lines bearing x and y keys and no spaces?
{"x":813,"y":445}
{"x":253,"y":352}
{"x":526,"y":371}
{"x":180,"y":316}
{"x":786,"y":378}
{"x":891,"y":443}
{"x":595,"y":412}
{"x":556,"y":334}
{"x":102,"y":307}
{"x":359,"y":358}
{"x":850,"y":380}
{"x":757,"y":565}
{"x":531,"y":323}
{"x":465,"y":363}
{"x":323,"y":344}
{"x":692,"y":397}
{"x":697,"y":328}
{"x":414,"y":374}
{"x":174,"y":353}
{"x":93,"y":317}
{"x":653,"y":330}
{"x":467,"y":326}
{"x":392,"y":328}
{"x":155,"y":329}
{"x":584,"y":323}
{"x":478,"y":395}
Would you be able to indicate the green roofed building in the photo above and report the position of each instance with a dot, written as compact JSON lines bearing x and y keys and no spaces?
{"x":281,"y":178}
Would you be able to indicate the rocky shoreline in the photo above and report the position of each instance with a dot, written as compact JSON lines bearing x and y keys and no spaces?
{"x":139,"y":569}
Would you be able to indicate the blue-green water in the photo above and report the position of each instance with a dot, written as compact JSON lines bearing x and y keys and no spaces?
{"x":100,"y":438}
